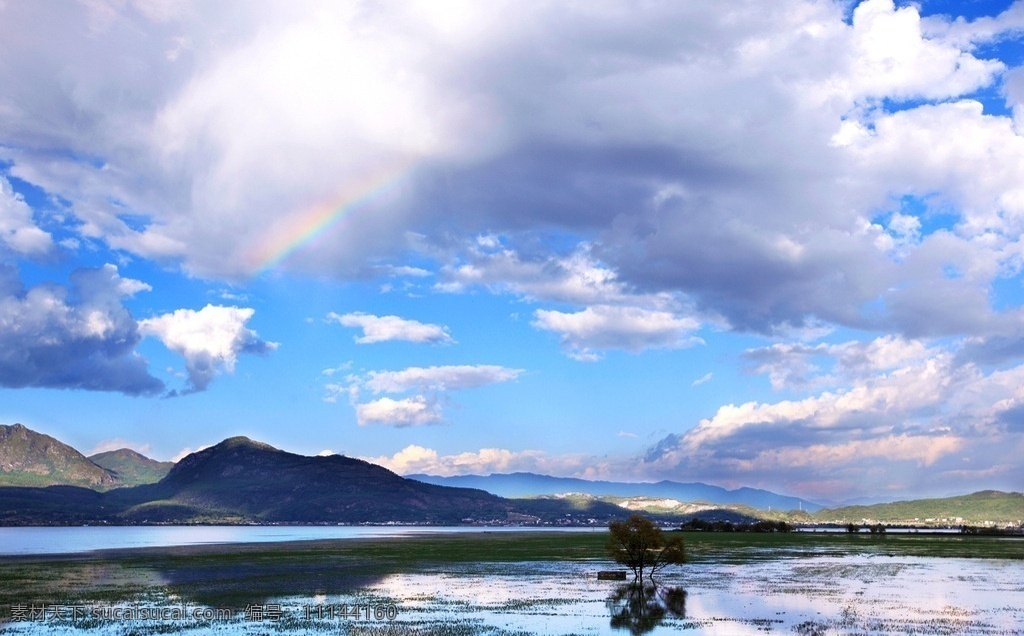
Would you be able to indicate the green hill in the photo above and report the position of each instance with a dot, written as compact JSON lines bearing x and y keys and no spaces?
{"x":132,"y":468}
{"x":28,"y":458}
{"x":987,"y":507}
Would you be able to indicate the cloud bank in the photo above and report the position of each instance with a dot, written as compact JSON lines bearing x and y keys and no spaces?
{"x":74,"y":337}
{"x":841,"y":181}
{"x":770,"y":202}
{"x":891,"y":415}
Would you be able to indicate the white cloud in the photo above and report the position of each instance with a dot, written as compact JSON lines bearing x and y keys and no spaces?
{"x":431,"y":387}
{"x":412,"y":411}
{"x":922,"y":450}
{"x":610,"y":327}
{"x":335,"y":390}
{"x":890,"y":57}
{"x":984,"y":29}
{"x":385,"y":328}
{"x":411,"y":459}
{"x":959,"y":152}
{"x":415,"y":459}
{"x":614,"y":317}
{"x":210,"y":339}
{"x":703,"y":379}
{"x":117,"y":444}
{"x":345,"y":366}
{"x":442,"y":378}
{"x":797,"y":365}
{"x":885,"y":353}
{"x":17,"y":229}
{"x":406,"y":270}
{"x":577,"y":278}
{"x":903,"y":393}
{"x":187,"y":451}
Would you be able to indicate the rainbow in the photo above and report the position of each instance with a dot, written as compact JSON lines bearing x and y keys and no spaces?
{"x":294,"y":231}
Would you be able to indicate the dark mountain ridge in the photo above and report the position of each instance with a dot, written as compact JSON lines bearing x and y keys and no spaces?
{"x":259,"y":482}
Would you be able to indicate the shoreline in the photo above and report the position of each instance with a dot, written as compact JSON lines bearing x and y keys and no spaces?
{"x":438,"y":539}
{"x":293,"y":546}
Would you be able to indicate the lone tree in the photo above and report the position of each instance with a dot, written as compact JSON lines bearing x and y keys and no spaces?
{"x":640,"y":545}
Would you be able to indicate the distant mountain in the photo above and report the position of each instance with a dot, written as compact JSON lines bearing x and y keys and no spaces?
{"x":857,"y":501}
{"x":247,"y":480}
{"x":531,"y":484}
{"x":28,"y":458}
{"x":243,"y":481}
{"x":986,"y":506}
{"x":132,"y":468}
{"x":43,"y":481}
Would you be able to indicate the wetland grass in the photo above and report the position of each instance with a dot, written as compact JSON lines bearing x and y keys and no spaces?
{"x":728,"y":547}
{"x":503,"y":583}
{"x":235,"y":573}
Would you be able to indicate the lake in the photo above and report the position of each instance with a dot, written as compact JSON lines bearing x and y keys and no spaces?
{"x":25,"y":540}
{"x":823,"y":595}
{"x":511,"y":583}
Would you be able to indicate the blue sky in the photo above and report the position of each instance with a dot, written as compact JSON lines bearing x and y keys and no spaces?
{"x":776,"y":246}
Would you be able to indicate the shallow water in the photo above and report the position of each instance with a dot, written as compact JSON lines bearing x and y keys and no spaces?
{"x":63,"y":539}
{"x":851,"y":594}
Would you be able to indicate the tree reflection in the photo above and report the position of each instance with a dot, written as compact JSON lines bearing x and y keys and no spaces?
{"x":640,"y":607}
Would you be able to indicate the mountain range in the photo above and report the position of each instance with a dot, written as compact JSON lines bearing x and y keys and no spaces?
{"x":29,"y":458}
{"x":46,"y":482}
{"x":241,"y":481}
{"x":532,"y":485}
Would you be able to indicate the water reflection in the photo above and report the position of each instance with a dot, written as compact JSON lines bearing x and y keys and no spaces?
{"x":640,"y":607}
{"x":824,"y":594}
{"x":237,"y":585}
{"x":231,"y":581}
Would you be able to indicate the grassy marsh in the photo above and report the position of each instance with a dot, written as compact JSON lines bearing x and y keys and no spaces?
{"x":506,"y":583}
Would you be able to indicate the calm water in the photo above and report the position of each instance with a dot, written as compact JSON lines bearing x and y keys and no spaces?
{"x":806,"y":593}
{"x":854,"y":594}
{"x":57,"y":540}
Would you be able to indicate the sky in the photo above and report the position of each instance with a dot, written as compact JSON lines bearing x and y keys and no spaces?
{"x":775,"y":245}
